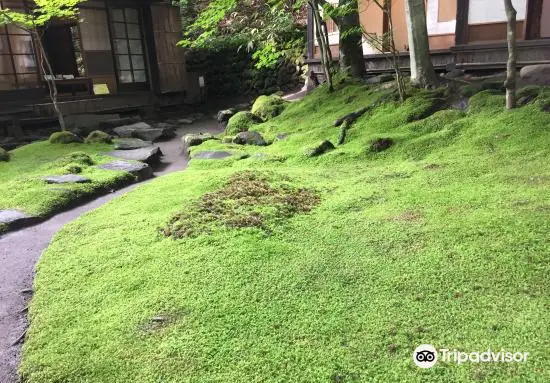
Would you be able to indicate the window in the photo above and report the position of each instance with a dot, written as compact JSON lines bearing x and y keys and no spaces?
{"x":128,"y":45}
{"x":18,"y":66}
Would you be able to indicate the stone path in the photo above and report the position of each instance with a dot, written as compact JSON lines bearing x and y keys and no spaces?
{"x":20,"y":250}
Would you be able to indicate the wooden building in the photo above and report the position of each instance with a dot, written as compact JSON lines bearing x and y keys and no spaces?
{"x":120,"y":55}
{"x":468,"y":33}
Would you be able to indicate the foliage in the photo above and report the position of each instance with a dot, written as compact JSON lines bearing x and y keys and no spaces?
{"x":441,"y":239}
{"x":64,"y":137}
{"x":240,"y":122}
{"x":43,"y":12}
{"x":98,"y":136}
{"x":267,"y":107}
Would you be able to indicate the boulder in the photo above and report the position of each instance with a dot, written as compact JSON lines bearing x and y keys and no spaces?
{"x":131,"y":143}
{"x":110,"y":124}
{"x":143,"y":131}
{"x":241,"y":122}
{"x":65,"y":137}
{"x":66,"y":179}
{"x":268,"y":107}
{"x":4,"y":155}
{"x":98,"y":137}
{"x":320,"y":149}
{"x":169,"y":130}
{"x":249,"y":138}
{"x":84,"y":124}
{"x":141,"y":170}
{"x":212,"y":155}
{"x":381,"y":145}
{"x":535,"y":74}
{"x":196,"y":139}
{"x":14,"y":218}
{"x":150,"y":155}
{"x":225,"y":115}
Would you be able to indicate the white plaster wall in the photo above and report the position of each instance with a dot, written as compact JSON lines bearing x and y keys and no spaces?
{"x":492,"y":11}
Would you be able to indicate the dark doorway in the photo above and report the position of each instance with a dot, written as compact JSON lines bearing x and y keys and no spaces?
{"x":58,"y":44}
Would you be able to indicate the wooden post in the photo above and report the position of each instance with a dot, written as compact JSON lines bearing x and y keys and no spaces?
{"x":461,"y":32}
{"x":531,"y":27}
{"x":510,"y":83}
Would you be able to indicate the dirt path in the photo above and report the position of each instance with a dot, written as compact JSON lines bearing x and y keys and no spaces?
{"x":20,"y":250}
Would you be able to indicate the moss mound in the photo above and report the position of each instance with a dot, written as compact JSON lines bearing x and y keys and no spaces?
{"x":64,"y":138}
{"x":248,"y":199}
{"x":99,"y":137}
{"x":240,"y":122}
{"x":4,"y":155}
{"x":80,"y":159}
{"x":267,"y":107}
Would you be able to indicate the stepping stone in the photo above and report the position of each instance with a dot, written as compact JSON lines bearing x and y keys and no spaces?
{"x":143,"y":131}
{"x":66,"y":179}
{"x":211,"y":155}
{"x":139,"y":169}
{"x":13,"y":218}
{"x":149,"y":155}
{"x":131,"y":143}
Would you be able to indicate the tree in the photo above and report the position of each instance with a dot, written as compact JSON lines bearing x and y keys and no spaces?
{"x":510,"y":83}
{"x":34,"y":21}
{"x":422,"y":70}
{"x":321,"y":35}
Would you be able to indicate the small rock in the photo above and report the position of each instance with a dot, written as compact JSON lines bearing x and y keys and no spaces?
{"x":196,"y":139}
{"x":281,"y":137}
{"x":131,"y":143}
{"x":320,"y":149}
{"x":381,"y":145}
{"x":139,"y":169}
{"x":249,"y":138}
{"x":225,"y":115}
{"x":150,"y":155}
{"x":66,"y":179}
{"x":212,"y":155}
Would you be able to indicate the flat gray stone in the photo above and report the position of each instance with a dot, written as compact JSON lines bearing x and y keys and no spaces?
{"x":196,"y":139}
{"x":149,"y":155}
{"x":66,"y":179}
{"x":139,"y":169}
{"x":131,"y":144}
{"x":209,"y":155}
{"x":15,"y":218}
{"x":141,"y":130}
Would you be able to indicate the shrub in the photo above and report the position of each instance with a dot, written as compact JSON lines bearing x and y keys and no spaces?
{"x":64,"y":138}
{"x":267,"y":107}
{"x":4,"y":155}
{"x":99,"y":137}
{"x":240,"y":122}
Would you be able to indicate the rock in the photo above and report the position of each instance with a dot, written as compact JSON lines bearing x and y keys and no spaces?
{"x":281,"y":137}
{"x":380,"y":79}
{"x":139,"y":169}
{"x":14,"y":218}
{"x":131,"y":143}
{"x":268,"y":107}
{"x":84,"y":124}
{"x":66,"y":179}
{"x":320,"y":149}
{"x":249,"y":138}
{"x":65,"y":137}
{"x":4,"y":155}
{"x":536,"y":74}
{"x":98,"y":137}
{"x":150,"y":155}
{"x":212,"y":155}
{"x":110,"y":124}
{"x":455,"y":73}
{"x":185,"y":121}
{"x":227,"y":139}
{"x":143,"y":131}
{"x":196,"y":139}
{"x":225,"y":115}
{"x":241,"y":122}
{"x":169,"y":130}
{"x":460,"y":104}
{"x":381,"y":144}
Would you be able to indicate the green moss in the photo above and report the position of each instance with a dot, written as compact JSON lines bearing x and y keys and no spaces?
{"x":4,"y":155}
{"x":99,"y":137}
{"x":240,"y":122}
{"x":64,"y":138}
{"x":267,"y":107}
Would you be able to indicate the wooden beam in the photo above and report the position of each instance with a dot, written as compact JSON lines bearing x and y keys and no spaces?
{"x":462,"y":11}
{"x":532,"y":20}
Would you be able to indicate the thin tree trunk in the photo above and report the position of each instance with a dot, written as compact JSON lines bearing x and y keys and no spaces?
{"x":510,"y":83}
{"x":49,"y":76}
{"x":422,"y":70}
{"x":323,"y":46}
{"x":351,"y":48}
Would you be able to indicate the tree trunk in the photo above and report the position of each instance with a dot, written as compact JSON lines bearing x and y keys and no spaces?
{"x":510,"y":83}
{"x":422,"y":70}
{"x":351,"y":48}
{"x":320,"y":32}
{"x":49,"y":77}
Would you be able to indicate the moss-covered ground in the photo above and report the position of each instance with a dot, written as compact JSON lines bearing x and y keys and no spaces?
{"x":22,"y":186}
{"x":441,"y":239}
